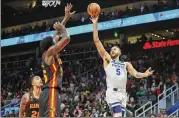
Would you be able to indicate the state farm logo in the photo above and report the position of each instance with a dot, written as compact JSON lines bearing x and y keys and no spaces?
{"x":161,"y":44}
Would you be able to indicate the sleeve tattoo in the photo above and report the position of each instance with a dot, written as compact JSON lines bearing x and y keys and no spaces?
{"x":23,"y":104}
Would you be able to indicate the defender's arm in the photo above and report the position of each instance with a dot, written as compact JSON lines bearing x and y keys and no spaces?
{"x":60,"y":44}
{"x":68,"y":14}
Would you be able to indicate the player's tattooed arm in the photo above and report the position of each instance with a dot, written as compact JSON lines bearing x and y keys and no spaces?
{"x":68,"y":14}
{"x":136,"y":74}
{"x":102,"y":52}
{"x":23,"y":104}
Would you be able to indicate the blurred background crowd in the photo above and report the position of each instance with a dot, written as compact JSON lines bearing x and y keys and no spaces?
{"x":84,"y":84}
{"x":84,"y":95}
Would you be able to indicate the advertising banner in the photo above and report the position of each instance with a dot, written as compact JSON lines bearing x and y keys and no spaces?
{"x":141,"y":19}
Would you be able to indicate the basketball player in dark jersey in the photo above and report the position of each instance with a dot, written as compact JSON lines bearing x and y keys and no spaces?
{"x":52,"y":70}
{"x":29,"y":106}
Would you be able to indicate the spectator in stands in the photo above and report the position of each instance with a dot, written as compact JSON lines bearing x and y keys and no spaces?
{"x":174,"y":78}
{"x":77,"y":112}
{"x":131,"y":105}
{"x":153,"y":87}
{"x":87,"y":91}
{"x":13,"y":113}
{"x":15,"y":100}
{"x":141,"y":92}
{"x":149,"y":93}
{"x":153,"y":115}
{"x":66,"y":113}
{"x":164,"y":115}
{"x":7,"y":114}
{"x":94,"y":113}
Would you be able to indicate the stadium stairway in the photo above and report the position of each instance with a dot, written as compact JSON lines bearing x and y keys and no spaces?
{"x":167,"y":100}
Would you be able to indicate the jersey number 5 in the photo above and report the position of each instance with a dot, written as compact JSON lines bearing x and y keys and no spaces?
{"x":118,"y":71}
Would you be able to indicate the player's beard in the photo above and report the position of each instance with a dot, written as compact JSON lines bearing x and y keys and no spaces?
{"x":114,"y":56}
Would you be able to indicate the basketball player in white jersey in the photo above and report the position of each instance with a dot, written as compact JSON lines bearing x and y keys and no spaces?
{"x":116,"y":74}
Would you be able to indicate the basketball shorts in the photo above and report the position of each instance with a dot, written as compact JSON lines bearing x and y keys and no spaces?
{"x":49,"y":103}
{"x":117,"y":101}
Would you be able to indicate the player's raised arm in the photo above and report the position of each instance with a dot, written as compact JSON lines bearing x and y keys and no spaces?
{"x":67,"y":16}
{"x":23,"y":103}
{"x":53,"y":50}
{"x":136,"y":74}
{"x":102,"y":52}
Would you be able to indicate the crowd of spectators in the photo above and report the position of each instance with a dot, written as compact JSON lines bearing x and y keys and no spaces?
{"x":84,"y":95}
{"x":143,"y":9}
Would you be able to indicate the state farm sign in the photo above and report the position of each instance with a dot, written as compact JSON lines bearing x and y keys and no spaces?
{"x":161,"y":44}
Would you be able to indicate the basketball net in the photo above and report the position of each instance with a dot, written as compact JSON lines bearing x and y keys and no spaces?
{"x":50,"y":3}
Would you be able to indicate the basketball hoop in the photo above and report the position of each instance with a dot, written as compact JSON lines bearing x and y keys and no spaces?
{"x":50,"y":3}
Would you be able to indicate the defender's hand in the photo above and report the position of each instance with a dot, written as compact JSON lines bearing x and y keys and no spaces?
{"x":68,"y":9}
{"x":58,"y":26}
{"x":94,"y":19}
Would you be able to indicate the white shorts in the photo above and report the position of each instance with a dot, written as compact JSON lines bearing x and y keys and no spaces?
{"x":113,"y":97}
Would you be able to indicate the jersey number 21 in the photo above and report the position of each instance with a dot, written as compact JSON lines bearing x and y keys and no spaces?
{"x":118,"y":71}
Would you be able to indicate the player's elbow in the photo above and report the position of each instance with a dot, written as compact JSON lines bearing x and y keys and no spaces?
{"x":60,"y":45}
{"x":135,"y":74}
{"x":138,"y":76}
{"x":67,"y":39}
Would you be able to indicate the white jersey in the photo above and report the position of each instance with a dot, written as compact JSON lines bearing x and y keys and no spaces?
{"x":116,"y":75}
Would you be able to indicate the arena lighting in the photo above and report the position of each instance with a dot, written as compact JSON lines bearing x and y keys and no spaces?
{"x":161,"y":44}
{"x":115,"y":34}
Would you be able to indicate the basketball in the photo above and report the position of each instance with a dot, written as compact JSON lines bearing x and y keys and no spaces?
{"x":93,"y":9}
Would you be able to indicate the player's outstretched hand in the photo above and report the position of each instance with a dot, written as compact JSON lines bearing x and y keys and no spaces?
{"x":68,"y":9}
{"x":149,"y":71}
{"x":94,"y":19}
{"x":58,"y":26}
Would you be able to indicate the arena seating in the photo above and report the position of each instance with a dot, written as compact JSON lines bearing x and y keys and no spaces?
{"x":84,"y":85}
{"x":87,"y":99}
{"x":115,"y":14}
